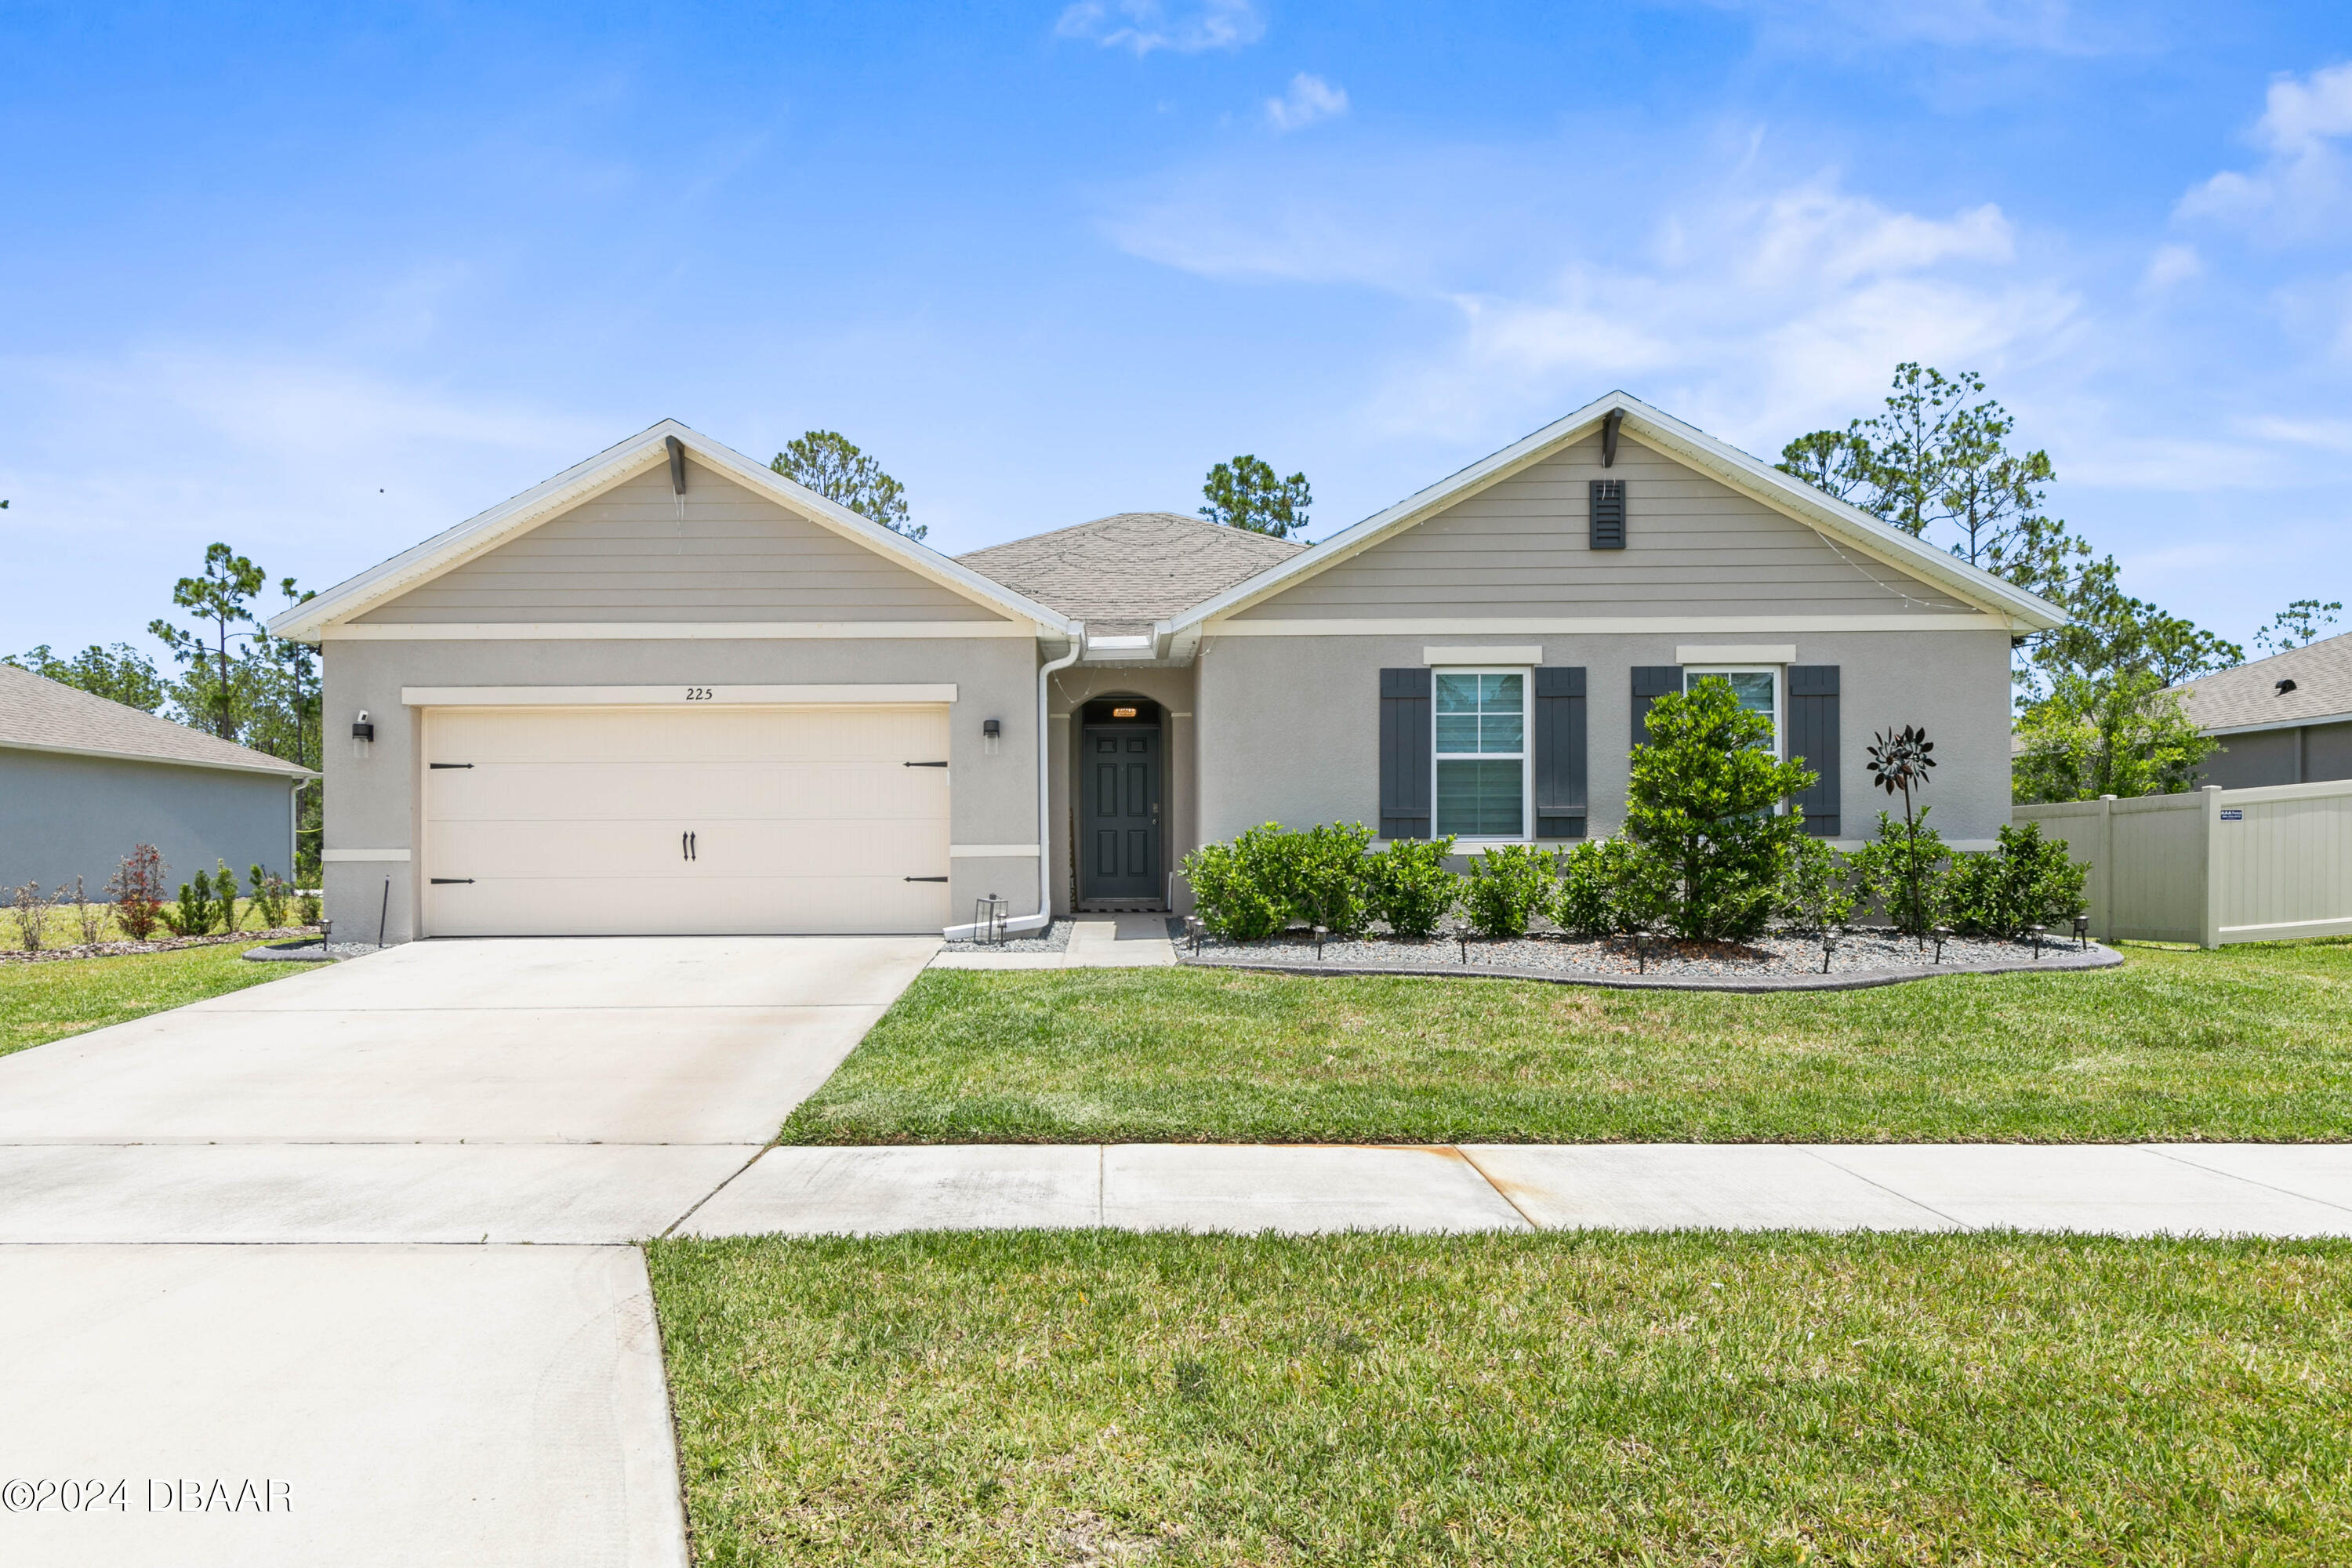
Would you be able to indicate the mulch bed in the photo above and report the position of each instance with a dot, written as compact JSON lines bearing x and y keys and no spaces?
{"x":163,"y":944}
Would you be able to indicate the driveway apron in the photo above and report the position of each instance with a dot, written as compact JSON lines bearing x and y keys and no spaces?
{"x":368,"y":1397}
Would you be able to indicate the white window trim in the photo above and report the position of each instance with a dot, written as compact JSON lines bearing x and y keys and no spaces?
{"x":1779,"y":674}
{"x":1526,"y":757}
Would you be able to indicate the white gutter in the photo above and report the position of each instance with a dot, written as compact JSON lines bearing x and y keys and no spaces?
{"x":1045,"y":915}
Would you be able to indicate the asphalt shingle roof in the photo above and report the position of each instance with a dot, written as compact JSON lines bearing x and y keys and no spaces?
{"x":2249,"y":694}
{"x":43,"y":714}
{"x":1120,"y":574}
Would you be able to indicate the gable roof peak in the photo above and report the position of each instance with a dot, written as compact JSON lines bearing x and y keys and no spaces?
{"x":1716,"y":459}
{"x":625,"y":460}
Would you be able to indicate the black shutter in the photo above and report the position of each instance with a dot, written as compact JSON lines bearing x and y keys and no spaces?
{"x":1406,"y":743}
{"x":1813,"y":737}
{"x":1559,"y":753}
{"x":1607,"y":505}
{"x":1651,"y":681}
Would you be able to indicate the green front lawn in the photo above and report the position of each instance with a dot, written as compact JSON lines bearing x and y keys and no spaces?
{"x":1097,"y":1398}
{"x":45,"y":1002}
{"x":2248,"y":1042}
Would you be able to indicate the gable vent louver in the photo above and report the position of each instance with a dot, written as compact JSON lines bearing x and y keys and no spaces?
{"x":1608,"y":510}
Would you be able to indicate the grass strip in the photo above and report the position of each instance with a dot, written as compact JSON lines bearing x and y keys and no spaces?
{"x":1096,"y":1397}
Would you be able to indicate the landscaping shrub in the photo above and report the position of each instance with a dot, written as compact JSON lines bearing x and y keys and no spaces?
{"x":1508,"y":885}
{"x":307,"y":905}
{"x":1321,"y":874}
{"x":137,"y":889}
{"x":1229,"y":891}
{"x":1902,"y":871}
{"x":1703,"y":802}
{"x":2007,"y":891}
{"x":90,"y":920}
{"x":270,"y":896}
{"x":1817,"y":887}
{"x":1409,"y":884}
{"x":29,"y":913}
{"x":199,"y":906}
{"x":1608,"y":887}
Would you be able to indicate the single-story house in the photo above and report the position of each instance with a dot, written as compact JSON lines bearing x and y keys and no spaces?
{"x":2281,"y":721}
{"x":84,"y":781}
{"x":669,"y":691}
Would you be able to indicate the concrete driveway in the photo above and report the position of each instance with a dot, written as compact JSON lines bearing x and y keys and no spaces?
{"x":366,"y":1398}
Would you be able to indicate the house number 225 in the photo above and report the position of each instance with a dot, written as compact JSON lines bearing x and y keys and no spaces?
{"x":697,"y":694}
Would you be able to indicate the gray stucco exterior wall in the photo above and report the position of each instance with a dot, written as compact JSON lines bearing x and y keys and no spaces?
{"x":1288,"y":727}
{"x":64,"y":817}
{"x":993,"y":799}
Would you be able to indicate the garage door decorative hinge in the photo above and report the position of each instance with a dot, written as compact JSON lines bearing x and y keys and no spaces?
{"x":439,"y":882}
{"x":448,"y":764}
{"x":922,"y":764}
{"x":923,"y":879}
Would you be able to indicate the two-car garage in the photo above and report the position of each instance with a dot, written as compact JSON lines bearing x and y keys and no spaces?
{"x":692,"y":812}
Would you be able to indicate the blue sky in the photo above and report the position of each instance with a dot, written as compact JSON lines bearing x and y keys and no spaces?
{"x":319,"y":283}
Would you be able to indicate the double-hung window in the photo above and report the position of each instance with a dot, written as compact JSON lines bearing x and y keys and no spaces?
{"x":1758,"y":691}
{"x":1482,"y":752}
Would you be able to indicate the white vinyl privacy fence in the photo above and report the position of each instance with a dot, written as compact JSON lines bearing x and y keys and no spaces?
{"x":2215,"y":866}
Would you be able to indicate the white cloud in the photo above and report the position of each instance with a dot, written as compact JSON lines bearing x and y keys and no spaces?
{"x":2302,"y":187}
{"x":1144,"y":26}
{"x":1311,"y":99}
{"x":2172,"y":264}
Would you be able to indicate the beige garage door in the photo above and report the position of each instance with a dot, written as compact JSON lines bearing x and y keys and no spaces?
{"x":687,"y":821}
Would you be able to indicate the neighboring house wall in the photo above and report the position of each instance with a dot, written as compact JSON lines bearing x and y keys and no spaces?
{"x":635,"y":553}
{"x":2308,"y":753}
{"x":1693,"y":548}
{"x":1290,"y":726}
{"x":64,"y":816}
{"x":2261,"y":757}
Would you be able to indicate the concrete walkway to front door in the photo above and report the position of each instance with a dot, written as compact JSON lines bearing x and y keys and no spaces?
{"x":366,"y":1399}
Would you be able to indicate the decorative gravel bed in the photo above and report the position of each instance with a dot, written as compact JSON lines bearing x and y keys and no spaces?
{"x":1054,"y":938}
{"x":311,"y":952}
{"x":1779,"y":961}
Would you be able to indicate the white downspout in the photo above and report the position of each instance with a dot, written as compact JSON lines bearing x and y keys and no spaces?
{"x":1045,"y":915}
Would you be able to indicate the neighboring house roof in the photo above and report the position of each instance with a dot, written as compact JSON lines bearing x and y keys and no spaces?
{"x":308,"y":621}
{"x":1718,"y":460}
{"x":2248,"y":697}
{"x":37,"y":714}
{"x":1118,"y":575}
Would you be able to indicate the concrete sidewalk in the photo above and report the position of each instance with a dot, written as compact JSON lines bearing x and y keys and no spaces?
{"x":2110,"y":1189}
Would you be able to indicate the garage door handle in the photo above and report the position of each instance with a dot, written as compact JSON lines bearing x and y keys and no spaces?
{"x":922,"y":764}
{"x":922,"y":879}
{"x":448,"y":764}
{"x":443,"y":882}
{"x":687,"y":846}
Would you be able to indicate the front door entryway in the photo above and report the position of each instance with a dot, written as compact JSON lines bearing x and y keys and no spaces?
{"x":1119,"y":795}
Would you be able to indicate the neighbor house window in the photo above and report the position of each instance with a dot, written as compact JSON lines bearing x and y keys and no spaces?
{"x":1758,"y":691}
{"x":1482,"y":752}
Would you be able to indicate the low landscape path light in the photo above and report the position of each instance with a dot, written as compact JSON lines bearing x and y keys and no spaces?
{"x":2083,"y":932}
{"x":1942,"y":935}
{"x":2039,"y":932}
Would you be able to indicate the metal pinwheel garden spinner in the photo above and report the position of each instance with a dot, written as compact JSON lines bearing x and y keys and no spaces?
{"x":1899,"y":761}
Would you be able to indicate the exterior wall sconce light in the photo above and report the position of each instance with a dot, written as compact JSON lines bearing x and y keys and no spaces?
{"x":992,"y":735}
{"x":363,"y":733}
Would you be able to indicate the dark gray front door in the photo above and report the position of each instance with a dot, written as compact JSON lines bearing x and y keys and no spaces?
{"x":1118,"y":819}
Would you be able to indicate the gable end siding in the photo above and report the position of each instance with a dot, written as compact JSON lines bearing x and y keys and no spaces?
{"x":1521,"y":547}
{"x":629,"y":555}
